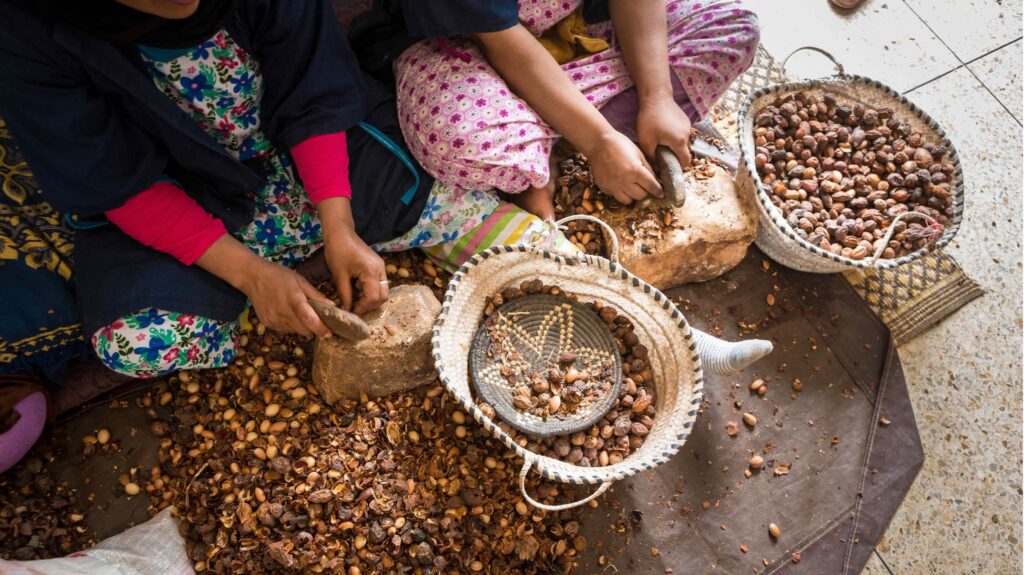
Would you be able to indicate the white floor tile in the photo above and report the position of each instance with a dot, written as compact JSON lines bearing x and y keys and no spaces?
{"x":1000,"y":71}
{"x":965,"y":374}
{"x":882,"y":39}
{"x":874,"y":566}
{"x":972,"y":28}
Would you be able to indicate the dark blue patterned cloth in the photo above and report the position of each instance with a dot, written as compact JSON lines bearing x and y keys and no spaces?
{"x":39,"y":327}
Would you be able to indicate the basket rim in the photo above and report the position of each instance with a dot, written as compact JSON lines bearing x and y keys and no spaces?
{"x":682,"y":427}
{"x":775,"y":215}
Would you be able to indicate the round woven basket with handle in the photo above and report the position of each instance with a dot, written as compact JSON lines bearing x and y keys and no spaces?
{"x":775,"y":236}
{"x":659,"y":325}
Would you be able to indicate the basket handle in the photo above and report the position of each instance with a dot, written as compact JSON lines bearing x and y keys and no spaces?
{"x":609,"y":232}
{"x":528,"y":463}
{"x":892,"y":230}
{"x":839,"y":67}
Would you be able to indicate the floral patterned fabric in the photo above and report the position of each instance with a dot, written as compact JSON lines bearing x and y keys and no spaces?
{"x":455,"y":224}
{"x":153,"y":342}
{"x":468,"y":130}
{"x":449,"y":214}
{"x":219,"y":86}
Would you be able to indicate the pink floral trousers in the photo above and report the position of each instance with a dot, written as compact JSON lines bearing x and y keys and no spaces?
{"x":468,"y":130}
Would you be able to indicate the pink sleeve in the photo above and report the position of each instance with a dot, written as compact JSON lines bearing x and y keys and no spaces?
{"x":322,"y":162}
{"x":166,"y":219}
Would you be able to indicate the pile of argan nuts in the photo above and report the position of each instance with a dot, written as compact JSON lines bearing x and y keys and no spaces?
{"x":40,"y":518}
{"x":561,"y":389}
{"x":840,"y":174}
{"x":626,"y":425}
{"x":270,"y":479}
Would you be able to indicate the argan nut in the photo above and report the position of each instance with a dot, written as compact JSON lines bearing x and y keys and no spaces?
{"x":641,"y":403}
{"x":756,"y":384}
{"x":554,"y":403}
{"x":756,"y":462}
{"x":102,"y":436}
{"x":132,"y":489}
{"x":749,"y":419}
{"x":774,"y":530}
{"x":571,"y":375}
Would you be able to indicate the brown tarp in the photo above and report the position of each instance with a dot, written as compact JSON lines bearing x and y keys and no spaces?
{"x":848,"y":473}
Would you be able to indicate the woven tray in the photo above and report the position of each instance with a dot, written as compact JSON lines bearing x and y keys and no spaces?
{"x":540,"y":328}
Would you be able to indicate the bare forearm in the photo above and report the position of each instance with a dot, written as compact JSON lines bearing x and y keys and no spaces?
{"x":336,"y":217}
{"x":231,"y":261}
{"x":642,"y":32}
{"x":534,"y":75}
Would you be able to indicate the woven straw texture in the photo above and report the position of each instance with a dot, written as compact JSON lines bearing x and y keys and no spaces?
{"x":539,"y":329}
{"x":910,"y":298}
{"x":775,"y":236}
{"x":658,"y":324}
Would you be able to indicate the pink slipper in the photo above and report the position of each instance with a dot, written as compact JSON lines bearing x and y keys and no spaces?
{"x":19,"y":439}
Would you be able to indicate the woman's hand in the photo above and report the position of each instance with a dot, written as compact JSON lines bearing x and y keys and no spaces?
{"x":620,"y":169}
{"x":533,"y":74}
{"x":350,"y":259}
{"x":278,"y":294}
{"x":661,"y":122}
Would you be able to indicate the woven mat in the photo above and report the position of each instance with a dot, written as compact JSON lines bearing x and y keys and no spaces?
{"x":909,"y":299}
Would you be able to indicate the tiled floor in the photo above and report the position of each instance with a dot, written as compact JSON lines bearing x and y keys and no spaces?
{"x":961,"y":62}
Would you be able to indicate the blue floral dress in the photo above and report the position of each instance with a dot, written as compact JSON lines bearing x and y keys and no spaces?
{"x":220,"y":86}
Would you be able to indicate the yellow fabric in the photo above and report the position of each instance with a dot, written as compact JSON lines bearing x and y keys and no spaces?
{"x":568,"y":40}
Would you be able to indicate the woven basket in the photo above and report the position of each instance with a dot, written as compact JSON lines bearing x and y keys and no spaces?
{"x":660,"y":326}
{"x":775,"y":236}
{"x":550,"y":325}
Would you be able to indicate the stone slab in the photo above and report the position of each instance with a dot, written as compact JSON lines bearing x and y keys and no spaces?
{"x":707,"y":236}
{"x":394,"y":358}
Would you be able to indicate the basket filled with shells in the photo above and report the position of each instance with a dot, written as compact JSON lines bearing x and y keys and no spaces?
{"x":583,"y":369}
{"x":847,"y":174}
